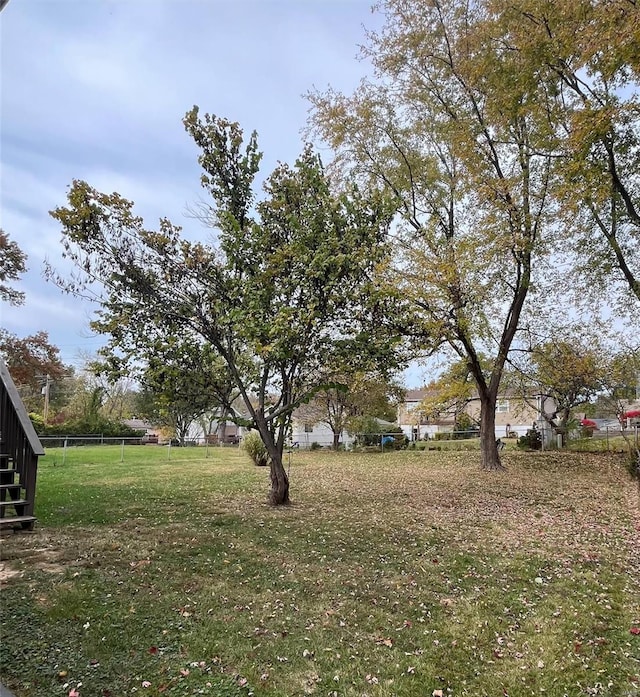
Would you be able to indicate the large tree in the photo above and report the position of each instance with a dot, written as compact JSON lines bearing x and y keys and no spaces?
{"x":12,"y":266}
{"x":451,"y":129}
{"x":35,"y":365}
{"x":279,"y":295}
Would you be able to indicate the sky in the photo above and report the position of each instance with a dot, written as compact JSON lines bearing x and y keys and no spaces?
{"x":97,"y":90}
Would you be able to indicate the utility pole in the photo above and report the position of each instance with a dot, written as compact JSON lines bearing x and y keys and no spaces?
{"x":45,"y":392}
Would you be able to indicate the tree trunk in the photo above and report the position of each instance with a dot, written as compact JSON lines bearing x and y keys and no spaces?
{"x":222,"y":431}
{"x":489,"y":456}
{"x":279,"y":495}
{"x":279,"y":482}
{"x":336,"y":440}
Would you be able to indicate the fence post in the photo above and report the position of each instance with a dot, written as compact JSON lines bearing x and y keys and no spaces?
{"x":122,"y":451}
{"x":169,"y":451}
{"x":64,"y":452}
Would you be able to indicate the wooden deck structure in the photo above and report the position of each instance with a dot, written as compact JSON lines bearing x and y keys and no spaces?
{"x":20,"y":449}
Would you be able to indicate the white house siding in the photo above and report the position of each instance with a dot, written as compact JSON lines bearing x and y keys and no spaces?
{"x":317,"y":433}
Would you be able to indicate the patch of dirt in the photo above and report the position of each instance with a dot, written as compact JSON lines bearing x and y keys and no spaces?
{"x":21,"y":553}
{"x":7,"y":573}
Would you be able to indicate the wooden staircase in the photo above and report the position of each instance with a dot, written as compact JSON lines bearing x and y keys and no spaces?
{"x":12,"y":501}
{"x":19,"y":452}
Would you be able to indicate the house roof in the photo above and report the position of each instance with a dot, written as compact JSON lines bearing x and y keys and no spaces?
{"x":416,"y":395}
{"x":138,"y":424}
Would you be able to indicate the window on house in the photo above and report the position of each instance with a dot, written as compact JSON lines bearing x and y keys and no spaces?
{"x":502,"y":406}
{"x":308,"y":428}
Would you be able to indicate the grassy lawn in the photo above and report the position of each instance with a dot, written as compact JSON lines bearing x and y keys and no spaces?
{"x":397,"y":574}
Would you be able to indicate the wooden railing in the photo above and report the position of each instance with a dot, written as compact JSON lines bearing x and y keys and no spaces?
{"x":18,"y":439}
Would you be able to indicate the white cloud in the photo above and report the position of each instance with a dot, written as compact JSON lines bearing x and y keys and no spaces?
{"x":96,"y":90}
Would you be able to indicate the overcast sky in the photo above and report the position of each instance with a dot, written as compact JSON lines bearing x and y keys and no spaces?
{"x":97,"y":90}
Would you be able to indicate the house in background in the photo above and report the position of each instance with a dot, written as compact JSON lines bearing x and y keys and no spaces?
{"x":151,"y":433}
{"x":304,"y":432}
{"x":515,"y":415}
{"x":223,"y":433}
{"x":414,"y":424}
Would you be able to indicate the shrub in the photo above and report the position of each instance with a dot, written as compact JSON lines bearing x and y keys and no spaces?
{"x":368,"y":431}
{"x":37,"y":421}
{"x":315,"y":446}
{"x":531,"y":440}
{"x":255,"y":449}
{"x":74,"y":427}
{"x":465,"y":427}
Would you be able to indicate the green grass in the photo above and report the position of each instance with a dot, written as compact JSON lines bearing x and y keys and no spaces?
{"x":392,"y":574}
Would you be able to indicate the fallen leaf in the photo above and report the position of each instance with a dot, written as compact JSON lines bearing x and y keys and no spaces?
{"x":635,"y":630}
{"x":385,"y":642}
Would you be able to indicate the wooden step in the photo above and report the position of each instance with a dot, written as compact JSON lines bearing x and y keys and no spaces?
{"x":9,"y":492}
{"x":18,"y":506}
{"x":17,"y":502}
{"x":24,"y":521}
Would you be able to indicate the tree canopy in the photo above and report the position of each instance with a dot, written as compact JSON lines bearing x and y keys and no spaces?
{"x":30,"y":360}
{"x":586,"y":59}
{"x":450,"y":130}
{"x":567,"y":372}
{"x":183,"y":380}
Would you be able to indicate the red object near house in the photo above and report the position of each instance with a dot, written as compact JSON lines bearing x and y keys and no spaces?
{"x":633,"y":414}
{"x":587,"y":423}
